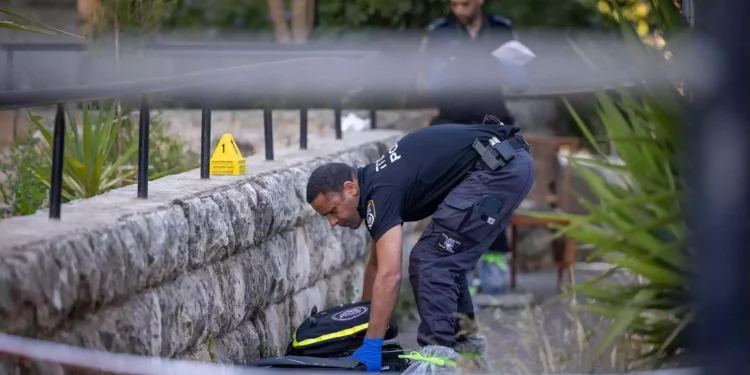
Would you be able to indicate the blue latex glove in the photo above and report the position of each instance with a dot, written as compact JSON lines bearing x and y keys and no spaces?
{"x":370,"y":354}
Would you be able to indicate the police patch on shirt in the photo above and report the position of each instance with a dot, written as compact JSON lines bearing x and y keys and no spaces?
{"x":370,"y":213}
{"x":448,"y":243}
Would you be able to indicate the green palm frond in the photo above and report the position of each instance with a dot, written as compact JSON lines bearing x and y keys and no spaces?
{"x":636,"y":224}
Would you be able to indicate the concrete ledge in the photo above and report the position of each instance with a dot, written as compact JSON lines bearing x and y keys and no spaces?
{"x":230,"y":257}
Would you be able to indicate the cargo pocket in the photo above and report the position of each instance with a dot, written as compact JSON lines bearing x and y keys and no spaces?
{"x":453,"y":212}
{"x":480,"y":224}
{"x":467,"y":219}
{"x":443,"y":301}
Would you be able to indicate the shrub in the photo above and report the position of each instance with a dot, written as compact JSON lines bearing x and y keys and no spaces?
{"x":22,"y":191}
{"x":90,"y":167}
{"x":100,"y":155}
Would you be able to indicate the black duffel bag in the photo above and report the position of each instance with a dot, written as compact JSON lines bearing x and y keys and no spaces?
{"x":335,"y":332}
{"x":326,"y":337}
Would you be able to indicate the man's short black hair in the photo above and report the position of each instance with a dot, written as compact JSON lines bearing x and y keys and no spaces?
{"x":329,"y":178}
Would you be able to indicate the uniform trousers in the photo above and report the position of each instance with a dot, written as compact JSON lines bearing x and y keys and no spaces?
{"x":470,"y":218}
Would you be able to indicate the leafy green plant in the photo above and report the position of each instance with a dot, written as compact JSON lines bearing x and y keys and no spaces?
{"x":88,"y":166}
{"x":22,"y":191}
{"x":336,"y":16}
{"x":635,"y":220}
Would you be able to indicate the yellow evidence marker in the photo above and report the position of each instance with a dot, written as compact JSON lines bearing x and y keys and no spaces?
{"x":227,"y":159}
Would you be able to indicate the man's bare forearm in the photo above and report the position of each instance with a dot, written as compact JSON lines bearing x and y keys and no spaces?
{"x":367,"y":285}
{"x":385,"y":288}
{"x":387,"y":282}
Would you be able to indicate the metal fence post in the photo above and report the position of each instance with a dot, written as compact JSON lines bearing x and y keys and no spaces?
{"x":268,"y":130}
{"x":717,"y":154}
{"x":206,"y":140}
{"x":337,"y":120}
{"x":303,"y":128}
{"x":143,"y":133}
{"x":58,"y":151}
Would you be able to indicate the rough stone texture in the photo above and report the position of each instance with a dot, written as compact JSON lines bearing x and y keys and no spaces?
{"x":240,"y":259}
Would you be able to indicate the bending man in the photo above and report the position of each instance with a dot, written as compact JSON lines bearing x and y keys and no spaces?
{"x":470,"y":178}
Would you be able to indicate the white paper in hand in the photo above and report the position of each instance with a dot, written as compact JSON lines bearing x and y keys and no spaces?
{"x":515,"y":52}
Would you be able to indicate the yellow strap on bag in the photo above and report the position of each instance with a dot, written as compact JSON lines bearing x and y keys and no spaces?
{"x":329,"y":336}
{"x":417,"y":356}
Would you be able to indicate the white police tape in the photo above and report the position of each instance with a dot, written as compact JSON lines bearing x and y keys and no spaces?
{"x":72,"y":357}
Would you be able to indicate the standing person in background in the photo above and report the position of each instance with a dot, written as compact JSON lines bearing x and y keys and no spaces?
{"x":463,"y":79}
{"x":460,"y":75}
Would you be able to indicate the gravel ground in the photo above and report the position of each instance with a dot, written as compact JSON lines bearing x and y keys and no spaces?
{"x":544,"y":336}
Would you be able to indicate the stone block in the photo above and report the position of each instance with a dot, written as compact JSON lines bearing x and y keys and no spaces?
{"x":322,"y":287}
{"x":279,"y":254}
{"x":336,"y":289}
{"x":278,"y":204}
{"x":241,"y":346}
{"x":278,"y":330}
{"x":210,"y":236}
{"x":353,"y":281}
{"x":135,"y":327}
{"x":260,"y":329}
{"x":352,"y":244}
{"x":199,"y":354}
{"x":326,"y":251}
{"x":170,"y":319}
{"x":302,"y":304}
{"x":302,"y":259}
{"x":52,"y":281}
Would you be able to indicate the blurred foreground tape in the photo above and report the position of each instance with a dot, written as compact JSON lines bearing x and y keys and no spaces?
{"x":227,"y":159}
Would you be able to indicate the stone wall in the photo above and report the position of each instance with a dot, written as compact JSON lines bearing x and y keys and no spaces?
{"x":239,"y":259}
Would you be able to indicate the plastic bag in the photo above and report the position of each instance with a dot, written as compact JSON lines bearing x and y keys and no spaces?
{"x":472,"y":345}
{"x":472,"y":352}
{"x":494,"y":274}
{"x":434,"y":360}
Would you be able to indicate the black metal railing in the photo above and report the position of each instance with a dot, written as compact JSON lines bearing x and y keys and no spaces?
{"x":339,"y":63}
{"x":15,"y":99}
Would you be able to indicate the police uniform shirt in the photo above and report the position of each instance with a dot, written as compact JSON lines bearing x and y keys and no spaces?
{"x":470,"y":77}
{"x":495,"y":30}
{"x":409,"y":181}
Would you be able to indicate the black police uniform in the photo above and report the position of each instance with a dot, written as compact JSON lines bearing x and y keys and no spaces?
{"x":436,"y":171}
{"x":469,"y":64}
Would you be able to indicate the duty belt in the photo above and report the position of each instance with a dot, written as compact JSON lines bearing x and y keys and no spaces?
{"x":498,"y":153}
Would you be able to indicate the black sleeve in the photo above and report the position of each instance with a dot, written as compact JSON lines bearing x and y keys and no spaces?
{"x":384,"y":210}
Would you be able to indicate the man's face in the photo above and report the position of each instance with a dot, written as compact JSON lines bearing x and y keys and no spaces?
{"x":340,"y":208}
{"x":466,"y":10}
